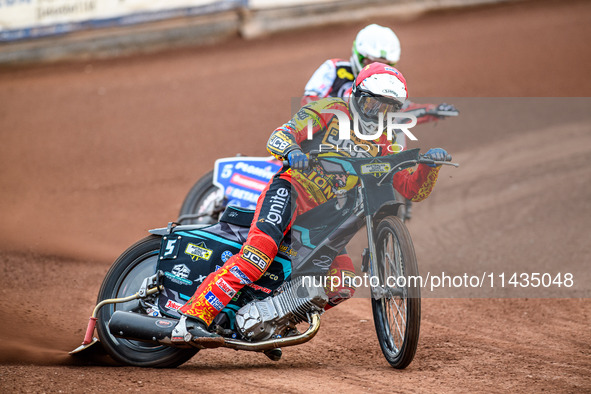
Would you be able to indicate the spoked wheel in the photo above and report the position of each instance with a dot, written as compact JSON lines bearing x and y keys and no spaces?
{"x":396,"y":303}
{"x":200,"y":200}
{"x":124,"y":279}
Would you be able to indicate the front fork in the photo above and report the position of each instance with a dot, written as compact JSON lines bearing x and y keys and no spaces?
{"x":370,"y":261}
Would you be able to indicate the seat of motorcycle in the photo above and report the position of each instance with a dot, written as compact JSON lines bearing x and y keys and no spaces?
{"x":238,"y":216}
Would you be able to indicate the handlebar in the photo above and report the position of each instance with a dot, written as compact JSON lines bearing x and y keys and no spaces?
{"x":313,"y":155}
{"x":435,"y":112}
{"x":424,"y":160}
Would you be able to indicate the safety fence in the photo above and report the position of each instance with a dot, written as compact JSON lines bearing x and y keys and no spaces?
{"x":39,"y":30}
{"x":26,"y":19}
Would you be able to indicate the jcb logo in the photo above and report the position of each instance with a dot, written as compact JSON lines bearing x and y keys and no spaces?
{"x":256,"y":258}
{"x":278,"y":143}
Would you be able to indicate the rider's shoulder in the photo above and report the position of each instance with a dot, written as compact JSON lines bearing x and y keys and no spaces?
{"x":327,"y":103}
{"x":336,"y":63}
{"x":341,"y":62}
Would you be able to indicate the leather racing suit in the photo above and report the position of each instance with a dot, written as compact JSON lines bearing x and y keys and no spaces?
{"x":290,"y":193}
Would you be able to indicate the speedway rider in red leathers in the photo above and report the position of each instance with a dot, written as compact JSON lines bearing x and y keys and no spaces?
{"x":294,"y":191}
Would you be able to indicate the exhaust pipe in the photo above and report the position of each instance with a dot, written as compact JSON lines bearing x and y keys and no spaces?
{"x":134,"y":326}
{"x":159,"y":331}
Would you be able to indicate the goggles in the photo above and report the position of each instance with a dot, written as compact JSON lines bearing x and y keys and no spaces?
{"x":367,"y":60}
{"x":370,"y":106}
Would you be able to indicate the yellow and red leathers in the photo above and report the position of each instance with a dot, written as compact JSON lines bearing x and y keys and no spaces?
{"x":290,"y":193}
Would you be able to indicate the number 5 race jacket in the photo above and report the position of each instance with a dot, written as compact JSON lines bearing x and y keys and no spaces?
{"x":313,"y":185}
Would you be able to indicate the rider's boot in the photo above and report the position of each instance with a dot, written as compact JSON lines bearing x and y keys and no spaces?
{"x":200,"y":335}
{"x":342,"y":268}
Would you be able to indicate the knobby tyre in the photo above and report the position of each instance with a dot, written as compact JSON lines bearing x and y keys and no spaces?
{"x":124,"y":279}
{"x":396,"y":306}
{"x":200,"y":199}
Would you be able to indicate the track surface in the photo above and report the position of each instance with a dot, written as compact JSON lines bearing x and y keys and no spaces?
{"x":95,"y":153}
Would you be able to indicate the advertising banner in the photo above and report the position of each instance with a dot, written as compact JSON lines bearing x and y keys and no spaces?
{"x":21,"y":19}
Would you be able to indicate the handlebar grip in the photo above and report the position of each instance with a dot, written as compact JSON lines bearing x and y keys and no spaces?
{"x":285,"y":164}
{"x":448,"y":157}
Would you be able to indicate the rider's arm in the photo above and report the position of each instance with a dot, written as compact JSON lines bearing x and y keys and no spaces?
{"x":320,"y":84}
{"x":282,"y":141}
{"x":420,"y":111}
{"x":290,"y":135}
{"x":416,"y":185}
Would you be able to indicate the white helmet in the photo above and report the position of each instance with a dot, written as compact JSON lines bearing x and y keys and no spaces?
{"x":374,"y":43}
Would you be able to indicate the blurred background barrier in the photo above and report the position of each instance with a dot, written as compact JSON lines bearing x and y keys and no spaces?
{"x":25,"y":19}
{"x":49,"y":30}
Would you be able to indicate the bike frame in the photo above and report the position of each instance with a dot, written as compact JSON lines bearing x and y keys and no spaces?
{"x":372,"y":198}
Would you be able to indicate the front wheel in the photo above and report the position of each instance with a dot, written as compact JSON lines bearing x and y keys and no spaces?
{"x":396,"y":302}
{"x":124,"y":279}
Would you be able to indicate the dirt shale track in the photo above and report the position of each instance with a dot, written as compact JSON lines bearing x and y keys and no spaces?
{"x":95,"y":153}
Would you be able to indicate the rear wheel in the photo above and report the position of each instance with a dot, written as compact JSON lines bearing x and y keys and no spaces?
{"x":396,"y":304}
{"x":124,"y":279}
{"x":198,"y":206}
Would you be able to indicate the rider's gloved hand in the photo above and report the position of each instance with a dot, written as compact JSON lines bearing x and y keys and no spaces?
{"x":437,"y":154}
{"x":297,"y":160}
{"x":443,"y":107}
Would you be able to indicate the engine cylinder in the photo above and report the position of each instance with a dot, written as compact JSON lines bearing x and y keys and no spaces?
{"x":271,"y":317}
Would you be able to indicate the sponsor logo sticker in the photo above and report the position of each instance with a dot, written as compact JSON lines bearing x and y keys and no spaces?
{"x":163,"y":323}
{"x":176,"y":279}
{"x":375,"y":168}
{"x":214,"y":301}
{"x":247,"y":182}
{"x":226,"y":255}
{"x":225,"y":287}
{"x":200,"y":279}
{"x":259,"y":288}
{"x":199,"y":251}
{"x":181,"y":270}
{"x":278,"y":204}
{"x":170,"y":304}
{"x":287,"y":250}
{"x":256,"y":257}
{"x":240,"y":275}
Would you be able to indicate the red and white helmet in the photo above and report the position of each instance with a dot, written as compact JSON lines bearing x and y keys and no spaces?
{"x":378,"y":89}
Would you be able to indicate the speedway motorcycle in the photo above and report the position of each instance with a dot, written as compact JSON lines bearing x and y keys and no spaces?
{"x":137,"y":318}
{"x":239,"y":181}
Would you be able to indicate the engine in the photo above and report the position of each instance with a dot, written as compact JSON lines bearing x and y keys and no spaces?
{"x":271,"y":317}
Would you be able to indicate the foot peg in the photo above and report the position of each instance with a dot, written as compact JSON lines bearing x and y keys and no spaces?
{"x":273,"y":354}
{"x":195,"y":333}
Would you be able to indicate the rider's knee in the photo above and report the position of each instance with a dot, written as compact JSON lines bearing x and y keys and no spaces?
{"x":256,"y":256}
